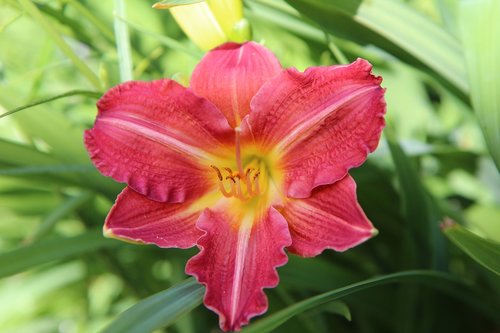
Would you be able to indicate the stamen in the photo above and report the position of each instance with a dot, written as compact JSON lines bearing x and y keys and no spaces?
{"x":219,"y":175}
{"x":229,"y":171}
{"x":243,"y":186}
{"x":222,"y":189}
{"x":256,"y":183}
{"x":224,"y":192}
{"x":239,"y":192}
{"x":248,"y":182}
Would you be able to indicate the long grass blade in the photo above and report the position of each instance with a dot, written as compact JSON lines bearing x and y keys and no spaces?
{"x":445,"y":282}
{"x":159,"y":310}
{"x":31,"y":8}
{"x":480,"y":23}
{"x":45,"y":251}
{"x":167,"y":41}
{"x":122,"y":42}
{"x":396,"y":28}
{"x":103,"y":28}
{"x":66,"y":208}
{"x":482,"y":250}
{"x":88,"y":93}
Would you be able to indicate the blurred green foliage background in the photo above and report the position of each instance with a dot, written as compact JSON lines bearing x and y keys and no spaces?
{"x":439,"y":61}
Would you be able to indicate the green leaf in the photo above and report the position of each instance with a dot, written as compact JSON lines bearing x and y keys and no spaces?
{"x":159,"y":310}
{"x":59,"y":41}
{"x":167,"y":41}
{"x":416,"y":207}
{"x":22,"y":161}
{"x":394,"y":27}
{"x":433,"y":279}
{"x":480,"y":23}
{"x":167,"y":4}
{"x":122,"y":42}
{"x":53,"y":98}
{"x":484,"y":251}
{"x":91,"y":17}
{"x":67,"y":207}
{"x":16,"y":154}
{"x":339,"y":308}
{"x":45,"y":251}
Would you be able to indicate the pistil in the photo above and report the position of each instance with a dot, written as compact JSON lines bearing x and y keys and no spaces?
{"x":238,"y":150}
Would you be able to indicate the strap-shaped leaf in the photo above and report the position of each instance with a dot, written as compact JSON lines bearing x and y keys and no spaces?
{"x":484,"y":251}
{"x":394,"y":27}
{"x":167,"y":4}
{"x":159,"y":310}
{"x":445,"y":282}
{"x":45,"y":251}
{"x":480,"y":23}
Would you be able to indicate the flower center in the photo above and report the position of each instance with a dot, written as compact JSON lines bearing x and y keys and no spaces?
{"x":234,"y":184}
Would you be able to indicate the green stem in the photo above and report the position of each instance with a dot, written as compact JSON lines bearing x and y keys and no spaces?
{"x":122,"y":42}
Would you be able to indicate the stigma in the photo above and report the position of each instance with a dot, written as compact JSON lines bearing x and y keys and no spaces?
{"x":243,"y":186}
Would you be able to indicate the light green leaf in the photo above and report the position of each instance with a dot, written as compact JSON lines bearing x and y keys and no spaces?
{"x":67,"y":207}
{"x":159,"y":310}
{"x":22,"y":160}
{"x":31,"y":8}
{"x":480,"y":23}
{"x":394,"y":27}
{"x":53,"y":98}
{"x":167,"y":41}
{"x":91,"y":17}
{"x":45,"y":251}
{"x":167,"y":4}
{"x":484,"y":251}
{"x":16,"y":154}
{"x":122,"y":42}
{"x":275,"y":320}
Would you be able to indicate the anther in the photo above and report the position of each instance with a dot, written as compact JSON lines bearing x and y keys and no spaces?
{"x":256,"y":185}
{"x":241,"y":185}
{"x":229,"y":171}
{"x":219,"y":175}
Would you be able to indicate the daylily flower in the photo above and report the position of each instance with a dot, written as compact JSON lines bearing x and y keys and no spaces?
{"x":249,"y":160}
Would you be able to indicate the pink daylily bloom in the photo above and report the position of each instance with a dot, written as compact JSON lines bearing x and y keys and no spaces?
{"x":248,"y":161}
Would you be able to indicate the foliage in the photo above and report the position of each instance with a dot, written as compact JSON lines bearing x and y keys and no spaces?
{"x":59,"y":274}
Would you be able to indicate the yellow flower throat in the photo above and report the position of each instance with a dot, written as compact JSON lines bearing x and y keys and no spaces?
{"x":242,"y":186}
{"x":251,"y":176}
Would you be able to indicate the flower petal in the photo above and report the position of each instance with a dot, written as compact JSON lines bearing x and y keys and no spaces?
{"x":330,"y":218}
{"x":157,"y":137}
{"x":237,"y":260}
{"x":230,"y":75}
{"x":136,"y":218}
{"x":322,"y":122}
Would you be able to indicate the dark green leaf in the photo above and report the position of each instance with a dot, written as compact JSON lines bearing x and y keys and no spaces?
{"x":484,"y":251}
{"x":433,"y":279}
{"x":159,"y":310}
{"x":416,"y":206}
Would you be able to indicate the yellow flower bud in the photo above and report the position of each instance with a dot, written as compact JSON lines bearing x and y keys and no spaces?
{"x":209,"y":23}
